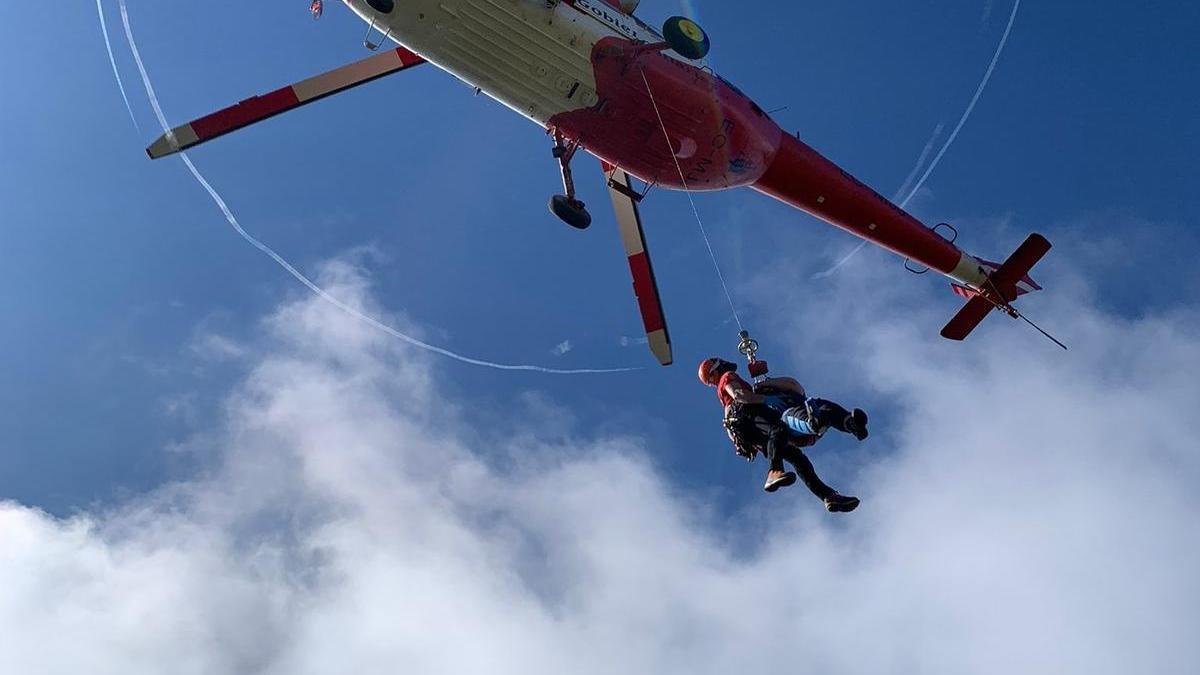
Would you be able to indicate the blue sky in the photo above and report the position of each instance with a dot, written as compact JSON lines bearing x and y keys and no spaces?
{"x":187,"y":434}
{"x":113,"y":263}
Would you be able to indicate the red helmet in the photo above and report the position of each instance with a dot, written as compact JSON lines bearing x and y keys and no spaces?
{"x":712,"y":369}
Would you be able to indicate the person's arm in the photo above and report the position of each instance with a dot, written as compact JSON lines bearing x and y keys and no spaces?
{"x":786,"y":384}
{"x":741,"y":392}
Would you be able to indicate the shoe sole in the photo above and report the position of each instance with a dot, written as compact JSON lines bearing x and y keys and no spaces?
{"x":860,"y":419}
{"x":788,"y":479}
{"x":845,"y":507}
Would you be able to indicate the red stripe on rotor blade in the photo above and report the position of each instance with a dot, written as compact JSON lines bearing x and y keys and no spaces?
{"x":408,"y":58}
{"x":244,"y":113}
{"x":647,"y":293}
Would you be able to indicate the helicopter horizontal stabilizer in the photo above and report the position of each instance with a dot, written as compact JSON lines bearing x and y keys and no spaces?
{"x":1007,"y":282}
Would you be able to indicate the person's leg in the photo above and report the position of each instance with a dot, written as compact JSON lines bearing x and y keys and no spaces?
{"x":829,"y":414}
{"x":777,"y":443}
{"x":835,"y":502}
{"x":799,"y":421}
{"x":808,"y":473}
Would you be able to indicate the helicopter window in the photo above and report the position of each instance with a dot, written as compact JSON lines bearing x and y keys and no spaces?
{"x":382,"y":6}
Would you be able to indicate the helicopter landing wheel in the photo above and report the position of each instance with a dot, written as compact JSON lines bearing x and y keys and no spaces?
{"x":571,"y":211}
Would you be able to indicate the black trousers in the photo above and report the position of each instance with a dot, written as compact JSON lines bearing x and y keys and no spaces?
{"x":763,"y":427}
{"x":780,"y":448}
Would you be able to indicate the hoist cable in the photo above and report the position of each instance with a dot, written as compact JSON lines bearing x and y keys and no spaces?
{"x":699,"y":221}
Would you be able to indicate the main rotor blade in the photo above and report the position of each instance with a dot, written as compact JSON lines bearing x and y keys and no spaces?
{"x":645,"y":287}
{"x":259,"y":108}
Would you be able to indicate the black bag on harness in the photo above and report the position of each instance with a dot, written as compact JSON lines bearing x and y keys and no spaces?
{"x":749,"y":426}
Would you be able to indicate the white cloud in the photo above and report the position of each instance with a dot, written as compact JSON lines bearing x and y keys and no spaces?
{"x":562,"y":348}
{"x":214,"y":347}
{"x":1032,"y":513}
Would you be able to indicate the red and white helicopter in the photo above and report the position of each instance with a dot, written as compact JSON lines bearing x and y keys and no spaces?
{"x":598,"y":78}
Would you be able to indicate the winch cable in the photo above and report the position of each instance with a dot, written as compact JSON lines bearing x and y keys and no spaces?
{"x":695,"y":211}
{"x":320,"y":292}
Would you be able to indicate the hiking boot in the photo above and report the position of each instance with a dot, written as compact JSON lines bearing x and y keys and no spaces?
{"x":778,"y":479}
{"x":836,"y":503}
{"x":856,"y":424}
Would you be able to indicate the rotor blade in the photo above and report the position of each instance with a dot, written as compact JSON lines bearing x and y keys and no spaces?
{"x":259,"y":108}
{"x":629,"y":220}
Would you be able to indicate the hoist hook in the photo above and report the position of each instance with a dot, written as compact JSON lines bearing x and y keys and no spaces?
{"x":748,"y":347}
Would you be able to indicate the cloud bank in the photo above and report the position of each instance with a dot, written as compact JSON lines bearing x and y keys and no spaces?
{"x":1028,"y":513}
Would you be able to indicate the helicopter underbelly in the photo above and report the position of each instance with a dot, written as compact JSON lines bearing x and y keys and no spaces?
{"x":534,"y":59}
{"x":581,"y":68}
